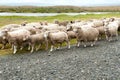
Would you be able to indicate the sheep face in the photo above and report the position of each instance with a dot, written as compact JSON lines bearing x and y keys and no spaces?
{"x":3,"y":34}
{"x":76,"y":29}
{"x":106,"y":31}
{"x":69,"y":27}
{"x":46,"y":34}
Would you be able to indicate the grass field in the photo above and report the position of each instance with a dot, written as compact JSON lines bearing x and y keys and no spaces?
{"x":4,"y":20}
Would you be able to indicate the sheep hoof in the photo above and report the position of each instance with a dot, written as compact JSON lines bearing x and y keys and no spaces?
{"x":51,"y":50}
{"x":14,"y":52}
{"x":58,"y":48}
{"x":37,"y":49}
{"x":49,"y":54}
{"x":21,"y":48}
{"x":84,"y":45}
{"x":31,"y":51}
{"x":91,"y":45}
{"x":68,"y":47}
{"x":109,"y":40}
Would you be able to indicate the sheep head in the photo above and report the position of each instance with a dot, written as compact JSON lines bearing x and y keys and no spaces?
{"x":46,"y":34}
{"x":4,"y":34}
{"x":56,"y":22}
{"x":69,"y":27}
{"x":76,"y":29}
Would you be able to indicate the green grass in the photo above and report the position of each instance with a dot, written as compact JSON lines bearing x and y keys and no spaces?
{"x":4,"y":20}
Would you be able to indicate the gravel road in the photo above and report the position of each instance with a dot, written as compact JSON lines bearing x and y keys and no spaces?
{"x":101,"y":62}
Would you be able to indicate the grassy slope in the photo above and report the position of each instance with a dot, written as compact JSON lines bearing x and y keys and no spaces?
{"x":19,"y":19}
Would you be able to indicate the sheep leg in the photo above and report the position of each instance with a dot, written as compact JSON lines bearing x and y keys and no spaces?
{"x":12,"y":47}
{"x":46,"y":44}
{"x":21,"y":48}
{"x":78,"y":43}
{"x":116,"y":35}
{"x":15,"y":49}
{"x":32,"y":48}
{"x":3,"y":46}
{"x":38,"y":47}
{"x":100,"y":36}
{"x":59,"y":46}
{"x":29,"y":46}
{"x":51,"y":48}
{"x":68,"y":43}
{"x":85,"y":43}
{"x":94,"y":42}
{"x":107,"y":38}
{"x":110,"y":38}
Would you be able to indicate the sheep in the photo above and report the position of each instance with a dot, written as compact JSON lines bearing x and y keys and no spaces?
{"x":32,"y":29}
{"x":98,"y":23}
{"x":61,"y":23}
{"x":37,"y":39}
{"x":62,"y":28}
{"x":3,"y":40}
{"x":50,"y":27}
{"x":86,"y":35}
{"x":111,"y":30}
{"x":24,"y":23}
{"x":10,"y":26}
{"x":35,"y":24}
{"x":16,"y":38}
{"x":101,"y":30}
{"x":57,"y":37}
{"x":71,"y":35}
{"x":78,"y":24}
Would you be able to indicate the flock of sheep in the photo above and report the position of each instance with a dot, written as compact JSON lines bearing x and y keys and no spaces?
{"x":34,"y":34}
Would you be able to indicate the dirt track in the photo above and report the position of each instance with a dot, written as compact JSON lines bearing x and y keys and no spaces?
{"x":101,"y":62}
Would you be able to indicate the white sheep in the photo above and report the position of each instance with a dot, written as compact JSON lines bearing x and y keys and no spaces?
{"x":3,"y":40}
{"x":86,"y":35}
{"x":16,"y":38}
{"x":37,"y":39}
{"x":57,"y":37}
{"x":111,"y":30}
